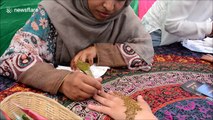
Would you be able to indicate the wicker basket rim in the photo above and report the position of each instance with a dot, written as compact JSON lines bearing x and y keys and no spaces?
{"x":36,"y":95}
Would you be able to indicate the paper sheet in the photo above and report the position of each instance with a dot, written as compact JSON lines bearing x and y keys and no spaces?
{"x":97,"y":71}
{"x":204,"y":46}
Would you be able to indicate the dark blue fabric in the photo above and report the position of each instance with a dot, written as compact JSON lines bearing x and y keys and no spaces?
{"x":5,"y":83}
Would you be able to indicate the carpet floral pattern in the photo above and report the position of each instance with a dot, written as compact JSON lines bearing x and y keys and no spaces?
{"x":160,"y":87}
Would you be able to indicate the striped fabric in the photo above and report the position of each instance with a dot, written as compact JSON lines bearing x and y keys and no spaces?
{"x":134,"y":5}
{"x":141,"y":6}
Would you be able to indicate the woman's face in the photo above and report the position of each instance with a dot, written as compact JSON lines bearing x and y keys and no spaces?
{"x":104,"y":9}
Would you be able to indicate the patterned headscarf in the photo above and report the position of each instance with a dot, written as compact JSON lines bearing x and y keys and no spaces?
{"x":78,"y":29}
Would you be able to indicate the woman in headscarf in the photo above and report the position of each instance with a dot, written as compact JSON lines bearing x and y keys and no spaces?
{"x":61,"y":32}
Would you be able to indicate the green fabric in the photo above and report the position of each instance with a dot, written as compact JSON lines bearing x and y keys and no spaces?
{"x":134,"y":5}
{"x":13,"y":15}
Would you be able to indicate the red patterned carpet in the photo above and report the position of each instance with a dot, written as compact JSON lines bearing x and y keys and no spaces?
{"x":173,"y":66}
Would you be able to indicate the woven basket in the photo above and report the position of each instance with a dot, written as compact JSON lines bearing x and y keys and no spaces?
{"x":40,"y":104}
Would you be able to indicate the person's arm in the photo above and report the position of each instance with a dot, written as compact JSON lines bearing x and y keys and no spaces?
{"x":43,"y":76}
{"x":207,"y":57}
{"x":120,"y":55}
{"x":29,"y":60}
{"x":30,"y":47}
{"x":107,"y":54}
{"x":176,"y":20}
{"x":27,"y":47}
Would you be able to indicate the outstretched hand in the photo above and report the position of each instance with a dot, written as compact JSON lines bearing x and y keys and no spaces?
{"x":113,"y":106}
{"x":86,"y":55}
{"x":207,"y":57}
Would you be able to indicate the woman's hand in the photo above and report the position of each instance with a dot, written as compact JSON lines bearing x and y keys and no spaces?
{"x":113,"y":106}
{"x":207,"y":57}
{"x":79,"y":86}
{"x":86,"y":55}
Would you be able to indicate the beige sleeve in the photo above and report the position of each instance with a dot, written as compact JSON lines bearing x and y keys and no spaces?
{"x":43,"y":76}
{"x":109,"y":55}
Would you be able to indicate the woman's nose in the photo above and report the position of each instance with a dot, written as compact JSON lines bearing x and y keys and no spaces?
{"x":109,"y":5}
